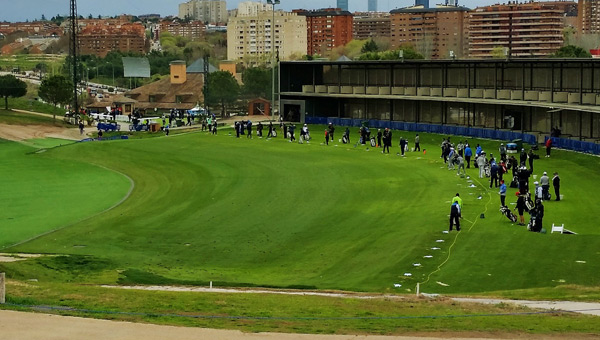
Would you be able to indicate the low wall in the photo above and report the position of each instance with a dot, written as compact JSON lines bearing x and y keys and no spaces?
{"x":430,"y":128}
{"x":575,"y":145}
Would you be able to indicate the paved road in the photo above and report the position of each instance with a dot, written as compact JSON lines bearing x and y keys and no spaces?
{"x":591,"y":308}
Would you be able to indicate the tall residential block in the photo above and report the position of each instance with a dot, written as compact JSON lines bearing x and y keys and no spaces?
{"x":256,"y":37}
{"x":193,"y":30}
{"x":371,"y":25}
{"x":372,"y":6}
{"x":342,"y":4}
{"x":519,"y":30}
{"x":208,"y":11}
{"x":326,"y":29}
{"x":589,"y":16}
{"x":101,"y":39}
{"x":434,"y":32}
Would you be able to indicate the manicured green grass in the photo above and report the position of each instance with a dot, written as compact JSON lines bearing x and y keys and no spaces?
{"x":271,"y":213}
{"x":41,"y":194}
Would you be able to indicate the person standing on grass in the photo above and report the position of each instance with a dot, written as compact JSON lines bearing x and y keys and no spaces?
{"x":347,"y":135}
{"x":285,"y":130}
{"x":387,"y":140}
{"x":331,"y":129}
{"x":402,"y":145}
{"x":291,"y":129}
{"x":502,"y":150}
{"x":259,"y":129}
{"x":214,"y":127}
{"x":460,"y":147}
{"x":379,"y":136}
{"x":468,"y":154}
{"x":481,"y":164}
{"x":502,"y":193}
{"x":530,"y":158}
{"x":545,"y":183}
{"x":461,"y":165}
{"x":417,"y":143}
{"x":270,"y":134}
{"x":326,"y":136}
{"x":522,"y":157}
{"x":81,"y":127}
{"x":556,"y":184}
{"x":521,"y":207}
{"x":548,"y":147}
{"x":494,"y":174}
{"x":454,"y":216}
{"x":100,"y":138}
{"x":236,"y":126}
{"x":249,"y":127}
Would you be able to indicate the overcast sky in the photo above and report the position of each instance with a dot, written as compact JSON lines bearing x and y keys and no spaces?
{"x":21,"y":10}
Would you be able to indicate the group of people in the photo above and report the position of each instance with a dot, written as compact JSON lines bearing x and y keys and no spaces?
{"x":457,"y":156}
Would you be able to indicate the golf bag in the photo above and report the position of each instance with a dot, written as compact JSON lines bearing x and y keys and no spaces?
{"x":535,"y":223}
{"x":301,"y":139}
{"x":373,"y":142}
{"x":487,"y":170}
{"x":546,"y":195}
{"x":509,"y":214}
{"x":515,"y":182}
{"x":274,"y":133}
{"x":529,"y":203}
{"x":345,"y":140}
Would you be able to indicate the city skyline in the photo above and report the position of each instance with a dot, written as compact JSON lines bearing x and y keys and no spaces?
{"x":15,"y":11}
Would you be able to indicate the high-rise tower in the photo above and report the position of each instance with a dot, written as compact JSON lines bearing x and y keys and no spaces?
{"x":372,"y":7}
{"x":342,"y":4}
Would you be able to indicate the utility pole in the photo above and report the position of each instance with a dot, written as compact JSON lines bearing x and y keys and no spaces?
{"x":205,"y":89}
{"x":73,"y":53}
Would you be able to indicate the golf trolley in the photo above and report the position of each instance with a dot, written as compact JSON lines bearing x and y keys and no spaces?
{"x":509,"y":214}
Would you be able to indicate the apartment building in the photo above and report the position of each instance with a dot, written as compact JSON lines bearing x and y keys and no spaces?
{"x":520,"y":30}
{"x":41,"y":28}
{"x":326,"y":29}
{"x":207,"y":11}
{"x":193,"y":30}
{"x":370,"y":25}
{"x":588,"y":16}
{"x":437,"y":33}
{"x":100,"y":39}
{"x":257,"y":34}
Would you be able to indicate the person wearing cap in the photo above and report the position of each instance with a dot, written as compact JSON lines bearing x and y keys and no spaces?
{"x":468,"y":154}
{"x":481,"y":164}
{"x":522,"y":157}
{"x":502,"y":150}
{"x":545,"y":183}
{"x":538,"y":190}
{"x":454,"y":216}
{"x":502,"y":193}
{"x":457,"y":199}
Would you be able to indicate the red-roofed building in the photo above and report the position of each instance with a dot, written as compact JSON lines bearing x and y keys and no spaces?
{"x":101,"y":39}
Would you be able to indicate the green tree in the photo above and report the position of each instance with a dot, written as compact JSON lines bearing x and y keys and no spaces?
{"x":56,"y":90}
{"x":571,"y":52}
{"x":257,"y":82}
{"x":223,"y":89}
{"x":369,"y":46}
{"x":10,"y":86}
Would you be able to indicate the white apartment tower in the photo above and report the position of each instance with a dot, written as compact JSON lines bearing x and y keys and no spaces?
{"x":257,"y":34}
{"x":210,"y":11}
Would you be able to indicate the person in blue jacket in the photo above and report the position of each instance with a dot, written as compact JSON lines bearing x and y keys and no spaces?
{"x":468,"y":154}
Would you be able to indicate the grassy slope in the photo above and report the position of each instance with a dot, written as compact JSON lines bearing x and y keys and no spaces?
{"x":41,"y":194}
{"x":279,"y":214}
{"x":18,"y":118}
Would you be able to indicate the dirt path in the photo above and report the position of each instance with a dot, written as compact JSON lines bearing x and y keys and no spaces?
{"x":36,"y":326}
{"x":19,"y":133}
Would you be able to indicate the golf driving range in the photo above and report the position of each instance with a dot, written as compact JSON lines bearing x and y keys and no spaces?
{"x":193,"y":208}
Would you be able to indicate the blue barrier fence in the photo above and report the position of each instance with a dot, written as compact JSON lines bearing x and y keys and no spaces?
{"x":575,"y":145}
{"x":429,"y":128}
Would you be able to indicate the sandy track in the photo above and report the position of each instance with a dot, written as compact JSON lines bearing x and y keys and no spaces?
{"x":36,"y":326}
{"x":23,"y":132}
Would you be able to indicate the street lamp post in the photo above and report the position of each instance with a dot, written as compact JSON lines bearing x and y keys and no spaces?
{"x":273,"y":3}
